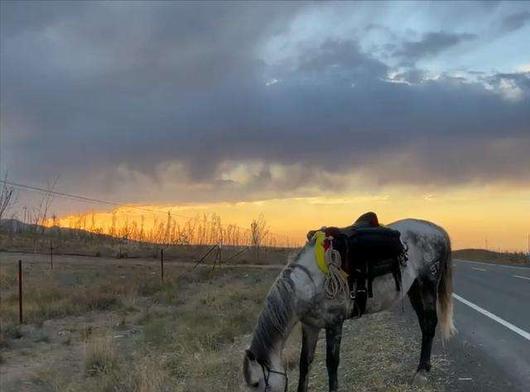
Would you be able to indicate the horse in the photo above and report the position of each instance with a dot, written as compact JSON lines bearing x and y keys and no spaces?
{"x":298,"y":295}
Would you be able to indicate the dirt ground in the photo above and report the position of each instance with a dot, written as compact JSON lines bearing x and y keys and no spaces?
{"x":97,"y":324}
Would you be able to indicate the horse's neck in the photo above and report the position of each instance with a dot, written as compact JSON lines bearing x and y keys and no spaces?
{"x":275,"y":321}
{"x":306,"y":276}
{"x":298,"y":283}
{"x":275,"y":354}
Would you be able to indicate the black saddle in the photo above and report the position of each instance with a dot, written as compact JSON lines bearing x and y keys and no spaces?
{"x":367,"y":250}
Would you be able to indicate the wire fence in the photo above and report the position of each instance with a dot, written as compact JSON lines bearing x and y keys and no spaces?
{"x":31,"y":232}
{"x":124,"y":231}
{"x":212,"y":258}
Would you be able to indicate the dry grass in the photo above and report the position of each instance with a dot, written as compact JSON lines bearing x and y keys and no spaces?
{"x":100,"y":355}
{"x":150,"y":376}
{"x":87,"y":244}
{"x":8,"y":277}
{"x":116,"y":327}
{"x":45,"y":299}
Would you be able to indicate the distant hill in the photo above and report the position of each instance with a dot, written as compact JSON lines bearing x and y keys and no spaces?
{"x":31,"y":238}
{"x":16,"y":226}
{"x":488,"y":256}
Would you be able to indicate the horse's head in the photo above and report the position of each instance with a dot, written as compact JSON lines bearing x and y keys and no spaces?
{"x":260,"y":377}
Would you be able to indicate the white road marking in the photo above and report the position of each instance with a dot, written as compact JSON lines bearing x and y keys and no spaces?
{"x":521,"y":277}
{"x":479,"y":269}
{"x":503,"y":322}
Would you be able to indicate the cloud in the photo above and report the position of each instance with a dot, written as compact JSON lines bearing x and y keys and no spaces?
{"x":340,"y":56}
{"x":176,"y":103}
{"x":511,"y":86}
{"x":430,"y":45}
{"x":515,"y":21}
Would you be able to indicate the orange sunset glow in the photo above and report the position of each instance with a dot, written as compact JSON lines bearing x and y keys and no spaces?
{"x":476,"y":217}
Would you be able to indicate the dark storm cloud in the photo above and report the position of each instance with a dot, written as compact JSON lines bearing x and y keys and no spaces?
{"x":346,"y":56}
{"x":430,"y":45}
{"x":515,"y":21}
{"x":145,"y":96}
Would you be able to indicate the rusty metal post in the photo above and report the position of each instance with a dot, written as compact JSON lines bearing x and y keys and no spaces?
{"x":51,"y":254}
{"x":162,"y":264}
{"x":20,"y":318}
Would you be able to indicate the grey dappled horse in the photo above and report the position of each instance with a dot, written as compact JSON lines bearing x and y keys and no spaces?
{"x":298,"y":295}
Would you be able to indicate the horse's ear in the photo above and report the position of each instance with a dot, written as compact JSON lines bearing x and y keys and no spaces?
{"x":251,"y":369}
{"x":250,"y":355}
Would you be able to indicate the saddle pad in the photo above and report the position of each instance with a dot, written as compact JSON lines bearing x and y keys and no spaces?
{"x":320,"y":252}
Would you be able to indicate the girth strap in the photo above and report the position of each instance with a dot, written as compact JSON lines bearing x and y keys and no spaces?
{"x":361,"y":282}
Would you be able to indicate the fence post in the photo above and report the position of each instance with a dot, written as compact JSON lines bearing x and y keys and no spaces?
{"x":20,"y":318}
{"x":162,"y":264}
{"x":51,"y":254}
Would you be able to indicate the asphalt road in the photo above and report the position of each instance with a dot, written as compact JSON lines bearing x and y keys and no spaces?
{"x":492,"y":315}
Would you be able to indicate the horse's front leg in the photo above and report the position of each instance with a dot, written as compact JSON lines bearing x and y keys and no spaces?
{"x":333,"y":338}
{"x":309,"y":343}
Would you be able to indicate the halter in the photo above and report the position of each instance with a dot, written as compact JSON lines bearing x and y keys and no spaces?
{"x":267,"y":373}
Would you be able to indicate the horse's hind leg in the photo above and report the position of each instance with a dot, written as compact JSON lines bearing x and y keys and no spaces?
{"x":422,"y":296}
{"x":309,"y":343}
{"x":333,"y":338}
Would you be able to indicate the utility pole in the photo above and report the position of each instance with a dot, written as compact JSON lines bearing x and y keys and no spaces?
{"x":528,"y":245}
{"x":20,"y":317}
{"x":51,"y":254}
{"x":162,"y":265}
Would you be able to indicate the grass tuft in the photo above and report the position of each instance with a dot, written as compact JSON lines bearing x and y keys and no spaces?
{"x":100,"y":356}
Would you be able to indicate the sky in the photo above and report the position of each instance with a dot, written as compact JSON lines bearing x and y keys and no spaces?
{"x":310,"y":113}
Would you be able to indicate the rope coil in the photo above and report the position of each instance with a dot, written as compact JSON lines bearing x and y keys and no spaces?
{"x":337,"y":280}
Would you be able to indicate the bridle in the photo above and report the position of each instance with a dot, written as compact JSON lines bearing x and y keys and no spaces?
{"x":267,"y":373}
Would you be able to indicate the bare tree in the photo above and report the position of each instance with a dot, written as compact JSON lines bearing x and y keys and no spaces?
{"x":258,"y":231}
{"x":41,"y":211}
{"x":7,"y":196}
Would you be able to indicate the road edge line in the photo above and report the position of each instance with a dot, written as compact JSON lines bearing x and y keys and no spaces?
{"x":501,"y":321}
{"x":524,"y":268}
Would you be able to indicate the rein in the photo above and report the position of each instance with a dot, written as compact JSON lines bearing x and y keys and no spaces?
{"x":267,"y":373}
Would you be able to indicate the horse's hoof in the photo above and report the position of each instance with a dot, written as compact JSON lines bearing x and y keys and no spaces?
{"x":420,"y":378}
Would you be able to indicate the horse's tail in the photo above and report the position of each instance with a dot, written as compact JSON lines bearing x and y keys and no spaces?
{"x":445,"y":294}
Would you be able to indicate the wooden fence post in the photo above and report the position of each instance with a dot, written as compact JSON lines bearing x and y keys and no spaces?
{"x":51,"y":254}
{"x":20,"y":318}
{"x":162,"y":265}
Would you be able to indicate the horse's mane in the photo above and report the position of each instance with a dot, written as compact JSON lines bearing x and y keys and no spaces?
{"x":273,"y":322}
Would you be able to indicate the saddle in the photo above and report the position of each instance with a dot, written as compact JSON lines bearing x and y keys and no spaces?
{"x":367,"y":250}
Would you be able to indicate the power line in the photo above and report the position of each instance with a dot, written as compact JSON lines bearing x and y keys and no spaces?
{"x":74,"y":197}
